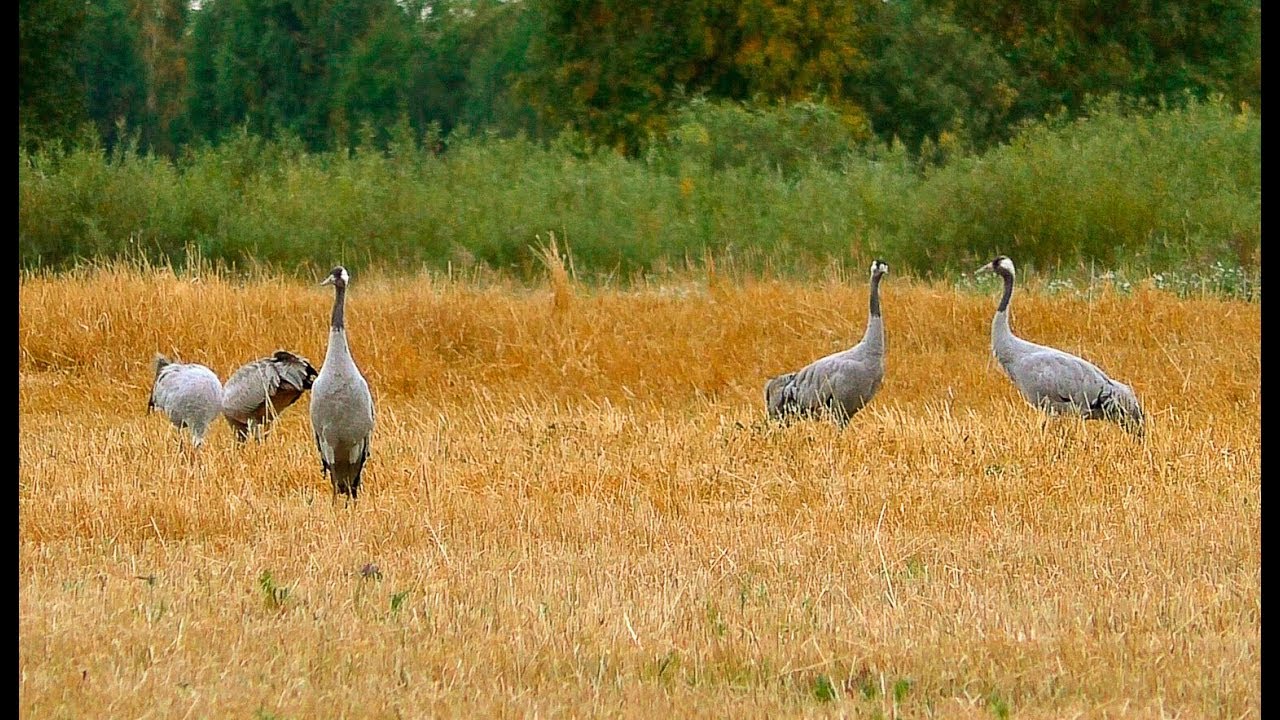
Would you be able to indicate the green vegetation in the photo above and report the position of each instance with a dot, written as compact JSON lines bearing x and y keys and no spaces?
{"x":769,"y":136}
{"x":616,"y":72}
{"x":1169,"y":189}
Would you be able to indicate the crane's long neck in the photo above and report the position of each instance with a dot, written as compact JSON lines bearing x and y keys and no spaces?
{"x":1003,"y":340}
{"x":338,"y":349}
{"x":339,"y":308}
{"x":873,"y":338}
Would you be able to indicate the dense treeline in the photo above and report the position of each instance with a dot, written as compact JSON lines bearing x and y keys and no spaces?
{"x":337,"y":73}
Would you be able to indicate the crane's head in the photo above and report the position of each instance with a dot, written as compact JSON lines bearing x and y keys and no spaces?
{"x":338,"y":278}
{"x":1002,"y":265}
{"x":879,"y":268}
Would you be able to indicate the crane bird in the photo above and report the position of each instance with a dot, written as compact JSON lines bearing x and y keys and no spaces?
{"x":190,"y":395}
{"x":258,"y":392}
{"x":1057,"y":382}
{"x":840,"y":383}
{"x":341,"y":406}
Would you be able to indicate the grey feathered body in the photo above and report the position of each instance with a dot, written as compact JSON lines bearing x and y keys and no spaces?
{"x":841,"y":383}
{"x":190,"y":395}
{"x":259,"y":391}
{"x":341,"y":416}
{"x":1060,"y":383}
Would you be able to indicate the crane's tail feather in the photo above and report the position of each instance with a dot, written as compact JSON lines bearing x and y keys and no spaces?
{"x":346,"y":478}
{"x":324,"y":464}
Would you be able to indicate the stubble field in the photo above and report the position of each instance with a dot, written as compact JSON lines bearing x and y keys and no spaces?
{"x":574,"y":508}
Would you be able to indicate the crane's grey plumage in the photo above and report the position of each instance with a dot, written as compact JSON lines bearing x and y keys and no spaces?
{"x":190,"y":395}
{"x":259,"y":391}
{"x":341,"y":406}
{"x":840,"y":383}
{"x":1057,"y":382}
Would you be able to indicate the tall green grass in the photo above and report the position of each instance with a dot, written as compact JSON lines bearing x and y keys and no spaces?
{"x":1162,"y":190}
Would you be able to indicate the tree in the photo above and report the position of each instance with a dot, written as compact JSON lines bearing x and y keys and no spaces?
{"x":929,"y":77}
{"x":161,"y":26}
{"x":478,"y":51}
{"x":1139,"y":48}
{"x":315,"y":69}
{"x":50,"y":95}
{"x":248,"y":67}
{"x":111,"y":70}
{"x":614,"y":69}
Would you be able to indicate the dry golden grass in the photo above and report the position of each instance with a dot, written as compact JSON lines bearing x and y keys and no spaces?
{"x":574,"y":509}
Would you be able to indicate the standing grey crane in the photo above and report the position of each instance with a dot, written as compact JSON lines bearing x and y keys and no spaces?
{"x":840,"y":383}
{"x":341,"y":406}
{"x":259,"y":391}
{"x":189,"y":394}
{"x":1057,"y":382}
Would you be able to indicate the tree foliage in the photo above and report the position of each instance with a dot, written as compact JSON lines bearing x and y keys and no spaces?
{"x":51,"y":100}
{"x":161,"y":36}
{"x":111,"y":69}
{"x":614,"y":69}
{"x":317,"y":70}
{"x":930,"y":77}
{"x":1069,"y":50}
{"x":939,"y":75}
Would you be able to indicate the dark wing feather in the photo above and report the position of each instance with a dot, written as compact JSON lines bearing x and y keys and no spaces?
{"x":294,"y":370}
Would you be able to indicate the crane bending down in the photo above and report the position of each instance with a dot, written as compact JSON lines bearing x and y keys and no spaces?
{"x":190,"y":395}
{"x":258,"y":392}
